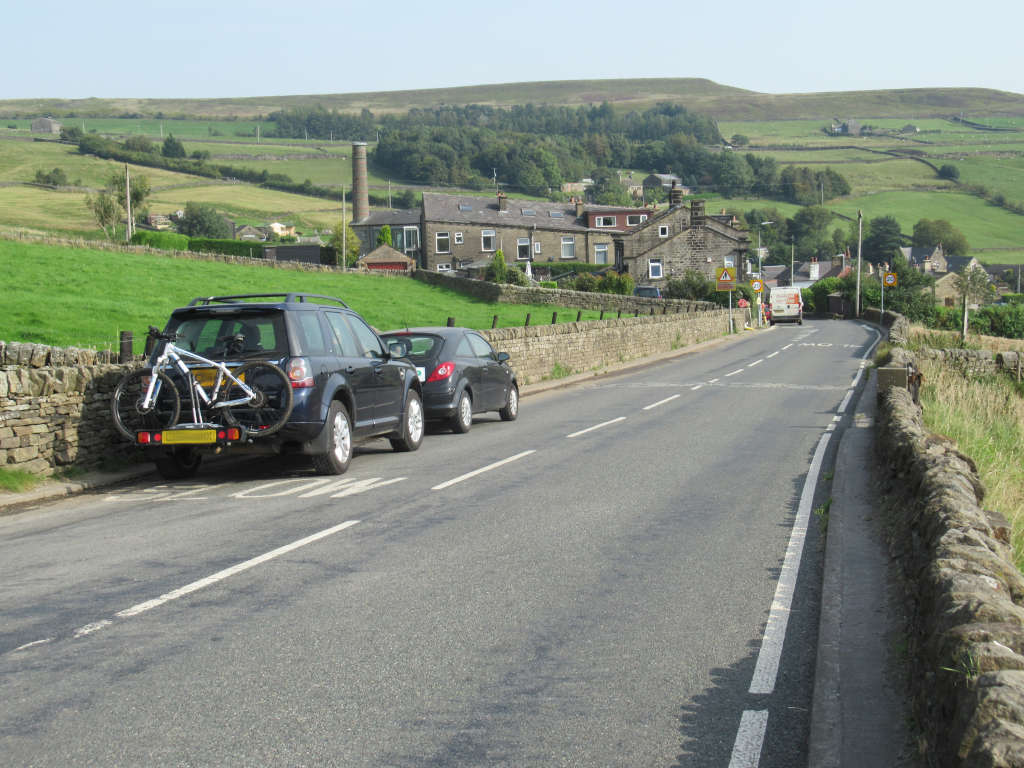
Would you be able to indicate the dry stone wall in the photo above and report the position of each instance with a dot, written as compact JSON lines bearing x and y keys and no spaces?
{"x":551,"y":351}
{"x":557,"y":297}
{"x":965,"y":595}
{"x":55,"y":408}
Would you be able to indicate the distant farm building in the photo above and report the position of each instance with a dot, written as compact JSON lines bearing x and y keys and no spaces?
{"x":45,"y":125}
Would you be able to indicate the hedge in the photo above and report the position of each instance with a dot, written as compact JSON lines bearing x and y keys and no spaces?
{"x":229,"y":247}
{"x":167,"y":241}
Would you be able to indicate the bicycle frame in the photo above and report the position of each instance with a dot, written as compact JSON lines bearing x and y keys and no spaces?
{"x":174,"y":357}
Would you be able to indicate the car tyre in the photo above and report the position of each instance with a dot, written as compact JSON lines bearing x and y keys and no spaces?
{"x":339,"y":442}
{"x":511,"y":409}
{"x":180,"y":463}
{"x":463,"y":418}
{"x":412,"y":424}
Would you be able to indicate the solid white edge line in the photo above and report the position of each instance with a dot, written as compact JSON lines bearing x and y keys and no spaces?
{"x":480,"y":471}
{"x":768,"y":658}
{"x":233,"y":570}
{"x":770,"y":655}
{"x":660,"y":402}
{"x":596,"y":426}
{"x":746,"y":750}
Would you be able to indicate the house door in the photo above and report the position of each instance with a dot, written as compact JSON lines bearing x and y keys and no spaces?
{"x":620,"y":256}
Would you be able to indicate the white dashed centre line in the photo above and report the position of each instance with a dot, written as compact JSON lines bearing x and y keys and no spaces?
{"x":597,"y":426}
{"x":480,"y":471}
{"x":756,"y":362}
{"x":739,"y":370}
{"x":773,"y":354}
{"x":660,"y":402}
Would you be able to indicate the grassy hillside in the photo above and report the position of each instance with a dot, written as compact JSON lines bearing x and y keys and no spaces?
{"x":84,"y":297}
{"x":721,"y":101}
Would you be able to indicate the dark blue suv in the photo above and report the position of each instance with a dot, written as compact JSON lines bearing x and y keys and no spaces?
{"x":346,"y":386}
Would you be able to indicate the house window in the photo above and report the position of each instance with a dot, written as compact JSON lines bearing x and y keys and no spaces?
{"x":601,"y":253}
{"x":604,"y":221}
{"x":663,"y":230}
{"x":444,"y":267}
{"x":635,"y":218}
{"x":487,"y":240}
{"x":654,"y":269}
{"x":411,"y":235}
{"x":458,"y":238}
{"x":523,"y":248}
{"x":536,"y":248}
{"x":443,"y":243}
{"x":568,"y":247}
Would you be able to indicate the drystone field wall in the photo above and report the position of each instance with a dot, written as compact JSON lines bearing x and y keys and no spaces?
{"x":55,"y":408}
{"x":548,"y":351}
{"x":965,"y":596}
{"x":558,"y":297}
{"x":55,"y":403}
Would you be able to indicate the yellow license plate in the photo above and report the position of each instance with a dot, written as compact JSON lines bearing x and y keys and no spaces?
{"x":189,"y":436}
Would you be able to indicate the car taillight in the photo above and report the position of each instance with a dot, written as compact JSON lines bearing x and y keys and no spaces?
{"x":299,"y":373}
{"x":442,"y":372}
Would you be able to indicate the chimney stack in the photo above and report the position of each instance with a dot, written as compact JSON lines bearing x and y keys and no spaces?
{"x":360,"y":190}
{"x":502,"y":202}
{"x":675,"y":196}
{"x":579,"y":207}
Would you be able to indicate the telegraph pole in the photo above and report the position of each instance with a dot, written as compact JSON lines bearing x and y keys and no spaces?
{"x":860,"y":237}
{"x":344,"y":231}
{"x":128,"y":203}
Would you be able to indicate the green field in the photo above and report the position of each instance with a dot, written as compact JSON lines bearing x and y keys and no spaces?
{"x":84,"y":297}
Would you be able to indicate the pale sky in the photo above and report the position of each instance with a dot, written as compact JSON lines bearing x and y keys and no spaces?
{"x":228,"y":48}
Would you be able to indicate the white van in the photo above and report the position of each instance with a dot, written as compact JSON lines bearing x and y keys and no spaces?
{"x":785,"y":305}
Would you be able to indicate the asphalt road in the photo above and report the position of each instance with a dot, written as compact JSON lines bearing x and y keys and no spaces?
{"x":622,"y":577}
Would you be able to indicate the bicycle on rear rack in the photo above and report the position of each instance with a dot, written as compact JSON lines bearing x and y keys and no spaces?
{"x":255,"y":397}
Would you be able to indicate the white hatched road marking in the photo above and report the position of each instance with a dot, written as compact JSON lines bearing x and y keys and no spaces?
{"x":475,"y":472}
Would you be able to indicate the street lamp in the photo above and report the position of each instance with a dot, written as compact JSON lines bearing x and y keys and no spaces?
{"x":760,"y":275}
{"x":763,"y":223}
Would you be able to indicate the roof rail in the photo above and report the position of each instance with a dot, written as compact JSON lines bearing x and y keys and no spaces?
{"x":298,"y":298}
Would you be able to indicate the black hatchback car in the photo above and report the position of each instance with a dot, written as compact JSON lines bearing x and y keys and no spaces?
{"x":346,"y":386}
{"x":460,"y":373}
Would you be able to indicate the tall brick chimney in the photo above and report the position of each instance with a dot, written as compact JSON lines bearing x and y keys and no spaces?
{"x":675,"y":196}
{"x":579,"y":207}
{"x":502,"y":202}
{"x":360,"y":190}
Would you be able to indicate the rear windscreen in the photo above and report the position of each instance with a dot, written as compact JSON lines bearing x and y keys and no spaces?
{"x":212,"y":334}
{"x":416,"y":346}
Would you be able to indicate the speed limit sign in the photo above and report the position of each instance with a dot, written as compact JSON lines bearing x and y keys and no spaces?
{"x":889,"y":280}
{"x":756,"y":286}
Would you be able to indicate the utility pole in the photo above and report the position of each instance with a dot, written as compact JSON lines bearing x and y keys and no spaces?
{"x":792,"y":262}
{"x":389,"y":193}
{"x":860,"y":238}
{"x":344,"y":231}
{"x":128,"y":203}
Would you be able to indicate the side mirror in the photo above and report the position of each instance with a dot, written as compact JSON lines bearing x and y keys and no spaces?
{"x":397,"y":349}
{"x":503,"y":357}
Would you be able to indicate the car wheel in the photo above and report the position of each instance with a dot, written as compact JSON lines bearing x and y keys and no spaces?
{"x":463,"y":418}
{"x":412,"y":424}
{"x":339,"y":443}
{"x":511,"y":409}
{"x":180,"y":463}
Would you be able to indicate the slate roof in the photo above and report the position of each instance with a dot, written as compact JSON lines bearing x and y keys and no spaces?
{"x":483,"y":211}
{"x":401,"y":217}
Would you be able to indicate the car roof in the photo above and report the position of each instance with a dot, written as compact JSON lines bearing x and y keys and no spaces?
{"x":284,"y":300}
{"x":436,"y":330}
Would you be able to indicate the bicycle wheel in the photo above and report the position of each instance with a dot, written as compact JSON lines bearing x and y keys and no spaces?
{"x":129,"y":414}
{"x":269,"y":409}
